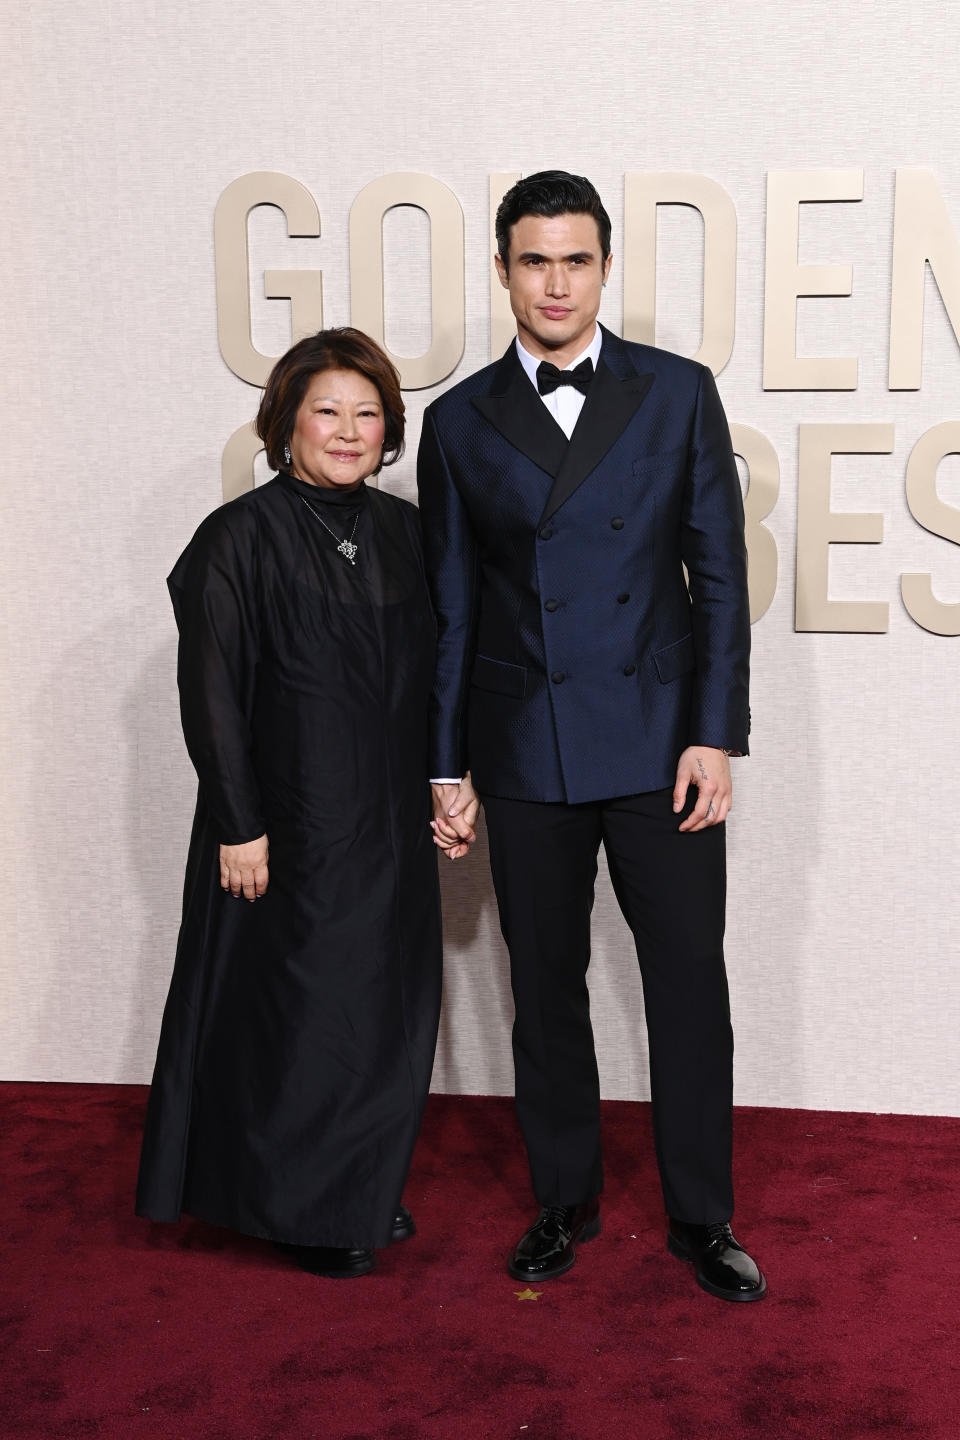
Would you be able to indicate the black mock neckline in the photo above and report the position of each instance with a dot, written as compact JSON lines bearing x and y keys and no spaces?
{"x":317,"y":495}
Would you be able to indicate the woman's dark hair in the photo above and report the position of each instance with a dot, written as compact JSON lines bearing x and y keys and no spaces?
{"x":342,"y":349}
{"x":550,"y":192}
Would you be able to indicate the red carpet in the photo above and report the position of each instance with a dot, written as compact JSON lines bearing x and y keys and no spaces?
{"x":112,"y":1327}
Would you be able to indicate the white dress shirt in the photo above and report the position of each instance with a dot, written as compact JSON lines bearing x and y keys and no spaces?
{"x":564,"y":404}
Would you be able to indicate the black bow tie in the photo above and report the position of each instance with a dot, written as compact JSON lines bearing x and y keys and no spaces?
{"x":549,"y":378}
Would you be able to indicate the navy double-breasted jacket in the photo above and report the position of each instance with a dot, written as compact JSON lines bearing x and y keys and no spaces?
{"x":575,"y":660}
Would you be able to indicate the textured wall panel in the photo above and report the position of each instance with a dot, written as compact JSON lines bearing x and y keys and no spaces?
{"x":122,"y":127}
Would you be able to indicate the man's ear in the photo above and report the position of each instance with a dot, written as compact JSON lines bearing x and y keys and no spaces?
{"x":502,"y":270}
{"x":606,"y":268}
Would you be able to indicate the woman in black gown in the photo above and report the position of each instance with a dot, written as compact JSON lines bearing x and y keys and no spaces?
{"x":299,"y":1032}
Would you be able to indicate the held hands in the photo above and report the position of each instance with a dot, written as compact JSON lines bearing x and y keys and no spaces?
{"x":243,"y":868}
{"x":709,"y":770}
{"x":455,"y":810}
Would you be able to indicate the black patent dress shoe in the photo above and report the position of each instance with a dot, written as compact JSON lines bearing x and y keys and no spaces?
{"x":722,"y":1267}
{"x":330,"y":1261}
{"x":549,"y":1247}
{"x":403,"y":1226}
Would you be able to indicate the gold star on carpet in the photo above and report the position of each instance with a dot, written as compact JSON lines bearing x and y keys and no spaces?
{"x":528,"y":1294}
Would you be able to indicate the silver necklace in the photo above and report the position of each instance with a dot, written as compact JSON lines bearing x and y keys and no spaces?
{"x":346,"y":547}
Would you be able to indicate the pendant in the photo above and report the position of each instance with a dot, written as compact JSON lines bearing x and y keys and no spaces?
{"x":348,"y":550}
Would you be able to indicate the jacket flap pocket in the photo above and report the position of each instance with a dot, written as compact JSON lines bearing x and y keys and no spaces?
{"x":498,"y":676}
{"x":674,"y":459}
{"x":675,"y":659}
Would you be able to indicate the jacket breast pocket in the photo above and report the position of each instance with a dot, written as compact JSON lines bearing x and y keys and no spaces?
{"x":666,"y":463}
{"x":499,"y":676}
{"x":675,"y":660}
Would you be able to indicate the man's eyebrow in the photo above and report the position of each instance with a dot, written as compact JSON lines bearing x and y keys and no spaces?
{"x":577,"y":255}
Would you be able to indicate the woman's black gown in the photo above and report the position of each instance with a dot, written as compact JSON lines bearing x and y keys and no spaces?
{"x":299,"y":1032}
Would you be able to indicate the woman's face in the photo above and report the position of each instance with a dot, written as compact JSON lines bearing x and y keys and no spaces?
{"x":337,"y":438}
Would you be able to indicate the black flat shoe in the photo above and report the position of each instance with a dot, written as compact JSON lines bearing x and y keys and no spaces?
{"x":330,"y":1261}
{"x":403,"y":1226}
{"x":722,"y":1267}
{"x":549,"y":1247}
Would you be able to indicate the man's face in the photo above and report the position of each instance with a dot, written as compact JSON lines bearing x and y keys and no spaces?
{"x":555,"y":280}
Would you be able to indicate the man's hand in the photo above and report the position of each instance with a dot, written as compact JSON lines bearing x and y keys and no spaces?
{"x":709,"y":770}
{"x":455,"y":810}
{"x":243,"y":868}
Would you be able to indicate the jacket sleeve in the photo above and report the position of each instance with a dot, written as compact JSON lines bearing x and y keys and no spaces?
{"x":212,"y":587}
{"x":714,"y":551}
{"x":450,"y":553}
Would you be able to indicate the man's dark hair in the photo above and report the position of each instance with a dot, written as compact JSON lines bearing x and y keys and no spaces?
{"x":550,"y":192}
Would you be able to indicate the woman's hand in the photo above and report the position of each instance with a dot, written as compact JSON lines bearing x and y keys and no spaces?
{"x":243,"y":868}
{"x":455,"y":810}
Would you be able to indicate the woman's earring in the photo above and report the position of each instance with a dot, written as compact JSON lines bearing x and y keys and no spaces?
{"x":286,"y":453}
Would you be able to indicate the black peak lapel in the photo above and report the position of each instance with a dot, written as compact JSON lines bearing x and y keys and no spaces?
{"x":515,"y":409}
{"x":612,"y":401}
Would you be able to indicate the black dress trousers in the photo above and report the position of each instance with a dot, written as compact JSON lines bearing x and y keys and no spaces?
{"x":671,"y":888}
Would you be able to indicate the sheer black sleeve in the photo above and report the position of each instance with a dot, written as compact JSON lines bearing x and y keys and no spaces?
{"x":213,"y":589}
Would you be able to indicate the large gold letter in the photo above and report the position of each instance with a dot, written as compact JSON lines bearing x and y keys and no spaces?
{"x":763,"y":487}
{"x":236,"y":463}
{"x":503,"y":326}
{"x":231,"y":259}
{"x":819,"y":527}
{"x":643,"y":194}
{"x":939,"y":518}
{"x":922,"y":233}
{"x":786,"y":279}
{"x":446,"y":271}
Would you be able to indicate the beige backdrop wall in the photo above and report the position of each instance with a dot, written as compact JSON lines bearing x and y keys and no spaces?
{"x":123,"y":126}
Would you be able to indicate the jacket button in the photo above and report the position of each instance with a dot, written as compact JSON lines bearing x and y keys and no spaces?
{"x":623,"y":597}
{"x":546,"y":532}
{"x":617,"y":522}
{"x":552,"y":605}
{"x":629,"y":669}
{"x":558,"y":677}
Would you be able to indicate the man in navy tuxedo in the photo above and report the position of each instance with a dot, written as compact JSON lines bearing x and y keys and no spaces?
{"x":594,"y":694}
